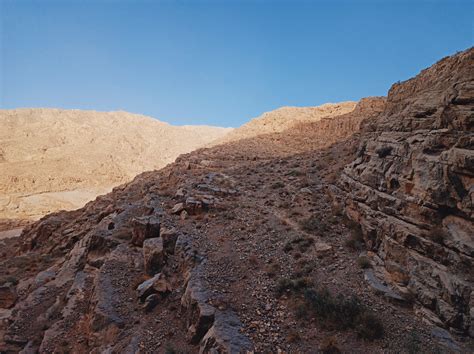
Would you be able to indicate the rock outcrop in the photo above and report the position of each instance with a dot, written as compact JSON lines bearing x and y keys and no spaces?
{"x":411,"y":189}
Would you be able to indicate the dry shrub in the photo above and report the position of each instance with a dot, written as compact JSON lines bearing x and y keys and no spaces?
{"x":329,"y":345}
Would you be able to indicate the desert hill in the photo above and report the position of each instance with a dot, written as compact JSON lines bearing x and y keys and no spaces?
{"x":352,"y":233}
{"x":53,"y":159}
{"x":283,"y":118}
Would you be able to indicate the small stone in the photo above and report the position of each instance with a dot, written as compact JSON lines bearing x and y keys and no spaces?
{"x":322,"y":248}
{"x":143,"y":228}
{"x":180,"y":193}
{"x":178,"y":207}
{"x":193,"y":206}
{"x":150,"y":302}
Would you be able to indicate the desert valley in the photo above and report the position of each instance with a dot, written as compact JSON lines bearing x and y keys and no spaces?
{"x":346,"y":227}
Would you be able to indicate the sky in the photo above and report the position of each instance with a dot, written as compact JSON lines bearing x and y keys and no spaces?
{"x":218,"y":62}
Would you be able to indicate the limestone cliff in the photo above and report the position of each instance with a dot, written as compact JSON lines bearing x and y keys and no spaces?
{"x":411,"y":189}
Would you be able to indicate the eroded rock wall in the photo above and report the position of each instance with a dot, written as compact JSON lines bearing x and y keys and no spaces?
{"x":411,"y":189}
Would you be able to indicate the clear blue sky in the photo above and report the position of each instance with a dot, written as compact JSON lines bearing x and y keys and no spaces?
{"x":218,"y":62}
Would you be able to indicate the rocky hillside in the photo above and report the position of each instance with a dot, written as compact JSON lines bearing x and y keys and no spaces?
{"x":283,"y":118}
{"x":411,"y":189}
{"x":245,"y":246}
{"x":54,"y":159}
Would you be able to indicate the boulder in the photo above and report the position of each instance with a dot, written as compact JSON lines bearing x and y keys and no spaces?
{"x":225,"y":336}
{"x":193,"y":205}
{"x":143,"y":228}
{"x":153,"y":255}
{"x":199,"y":314}
{"x":169,"y":237}
{"x":156,"y":285}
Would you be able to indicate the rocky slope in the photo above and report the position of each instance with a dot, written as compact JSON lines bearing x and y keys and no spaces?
{"x":411,"y":189}
{"x":239,"y":247}
{"x":54,"y":159}
{"x":283,"y":118}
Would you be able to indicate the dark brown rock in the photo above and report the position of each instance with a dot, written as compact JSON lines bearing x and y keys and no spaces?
{"x":143,"y":228}
{"x":153,"y":255}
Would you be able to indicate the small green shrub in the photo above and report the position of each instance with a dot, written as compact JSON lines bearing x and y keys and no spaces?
{"x":295,"y":173}
{"x":301,"y":243}
{"x":170,"y":350}
{"x":338,"y":312}
{"x":413,"y":344}
{"x":333,"y":311}
{"x":364,"y":262}
{"x":369,"y":327}
{"x":277,"y":185}
{"x":292,"y":285}
{"x":310,"y":224}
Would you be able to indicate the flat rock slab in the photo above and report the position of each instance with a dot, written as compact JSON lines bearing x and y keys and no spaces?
{"x":445,"y":339}
{"x":378,"y":287}
{"x":225,"y":335}
{"x":10,"y":233}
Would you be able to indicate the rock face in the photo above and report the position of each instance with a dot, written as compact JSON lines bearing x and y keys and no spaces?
{"x":412,"y":190}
